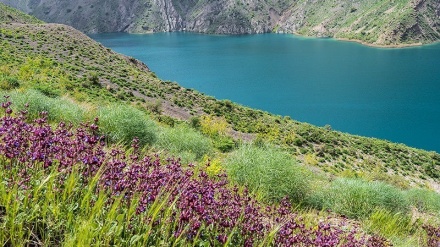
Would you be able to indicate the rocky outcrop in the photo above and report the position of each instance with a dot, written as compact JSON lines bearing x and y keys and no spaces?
{"x":87,"y":15}
{"x":371,"y":21}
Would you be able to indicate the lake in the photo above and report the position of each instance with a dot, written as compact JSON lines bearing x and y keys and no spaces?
{"x":391,"y":94}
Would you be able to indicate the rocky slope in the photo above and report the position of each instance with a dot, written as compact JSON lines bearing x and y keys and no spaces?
{"x":376,"y":22}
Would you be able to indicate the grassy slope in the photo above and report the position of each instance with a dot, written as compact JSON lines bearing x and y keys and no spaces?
{"x":58,"y":60}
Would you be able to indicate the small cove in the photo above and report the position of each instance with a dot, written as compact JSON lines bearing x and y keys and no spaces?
{"x":391,"y":94}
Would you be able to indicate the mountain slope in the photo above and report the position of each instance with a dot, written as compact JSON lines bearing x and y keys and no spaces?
{"x":11,"y":15}
{"x":332,"y":175}
{"x":376,"y":22}
{"x":58,"y":60}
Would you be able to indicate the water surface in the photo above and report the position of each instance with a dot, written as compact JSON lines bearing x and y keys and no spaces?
{"x":392,"y":94}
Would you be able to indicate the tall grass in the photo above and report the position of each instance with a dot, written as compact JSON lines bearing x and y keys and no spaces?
{"x":58,"y":109}
{"x":400,"y":228}
{"x":185,"y":142}
{"x":122,"y":123}
{"x":77,"y":214}
{"x":358,"y":199}
{"x":425,"y":201}
{"x":271,"y":172}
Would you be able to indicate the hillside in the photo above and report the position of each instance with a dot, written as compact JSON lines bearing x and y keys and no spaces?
{"x":381,"y":23}
{"x":76,"y":187}
{"x":11,"y":15}
{"x":58,"y":60}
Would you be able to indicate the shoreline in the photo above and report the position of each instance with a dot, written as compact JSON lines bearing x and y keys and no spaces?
{"x":368,"y":44}
{"x":381,"y":46}
{"x":393,"y":46}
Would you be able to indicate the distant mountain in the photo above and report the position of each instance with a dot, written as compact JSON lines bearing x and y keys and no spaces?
{"x":376,"y":22}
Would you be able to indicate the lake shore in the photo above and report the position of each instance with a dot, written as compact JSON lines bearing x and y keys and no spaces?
{"x":380,"y":46}
{"x":366,"y":43}
{"x":339,"y":39}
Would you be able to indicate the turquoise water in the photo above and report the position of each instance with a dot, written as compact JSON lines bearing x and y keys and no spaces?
{"x":392,"y":94}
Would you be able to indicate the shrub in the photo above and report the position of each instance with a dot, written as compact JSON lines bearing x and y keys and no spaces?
{"x":213,"y":126}
{"x":271,"y":172}
{"x":122,"y":123}
{"x":195,"y":122}
{"x":356,"y":198}
{"x":183,"y":139}
{"x":49,"y":90}
{"x":224,"y":143}
{"x":8,"y":83}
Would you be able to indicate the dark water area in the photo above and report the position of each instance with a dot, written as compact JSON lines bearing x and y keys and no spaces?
{"x":392,"y":94}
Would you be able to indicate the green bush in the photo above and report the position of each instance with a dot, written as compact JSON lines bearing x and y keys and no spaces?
{"x":424,"y":200}
{"x":356,"y":198}
{"x":122,"y":123}
{"x":184,"y":140}
{"x":8,"y":83}
{"x":224,"y":143}
{"x":268,"y":171}
{"x":48,"y":90}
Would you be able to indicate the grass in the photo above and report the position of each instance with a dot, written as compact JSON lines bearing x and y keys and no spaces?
{"x":358,"y":199}
{"x":61,"y":187}
{"x":58,"y":109}
{"x":269,"y":171}
{"x":75,"y":214}
{"x":400,"y":228}
{"x":53,"y":67}
{"x":121,"y":123}
{"x":425,"y":201}
{"x":183,"y":140}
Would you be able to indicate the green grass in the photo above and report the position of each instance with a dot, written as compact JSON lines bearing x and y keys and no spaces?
{"x":121,"y":123}
{"x":76,"y":214}
{"x":425,"y":201}
{"x":58,"y":109}
{"x":271,"y":172}
{"x":400,"y":228}
{"x":358,"y":199}
{"x":185,"y":142}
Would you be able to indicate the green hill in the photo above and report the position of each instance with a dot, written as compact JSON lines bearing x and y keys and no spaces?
{"x":59,"y":70}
